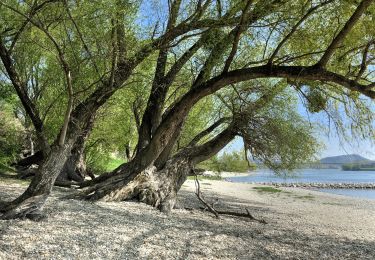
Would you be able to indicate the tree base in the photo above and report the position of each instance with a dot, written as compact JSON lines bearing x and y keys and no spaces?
{"x":155,"y":187}
{"x":30,"y":208}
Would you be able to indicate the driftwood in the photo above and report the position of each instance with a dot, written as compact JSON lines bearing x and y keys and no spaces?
{"x":199,"y":195}
{"x":217,"y":212}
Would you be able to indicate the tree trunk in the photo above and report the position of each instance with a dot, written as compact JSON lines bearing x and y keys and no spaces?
{"x":155,"y":186}
{"x":30,"y":203}
{"x":75,"y":167}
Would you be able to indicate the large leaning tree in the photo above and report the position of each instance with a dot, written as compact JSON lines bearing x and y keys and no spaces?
{"x":246,"y":55}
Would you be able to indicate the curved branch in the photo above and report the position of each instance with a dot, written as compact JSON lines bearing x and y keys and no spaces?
{"x":65,"y":67}
{"x":364,"y":60}
{"x":207,"y":131}
{"x":205,"y":151}
{"x":180,"y":110}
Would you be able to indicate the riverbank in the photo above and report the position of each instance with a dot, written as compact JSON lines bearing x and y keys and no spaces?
{"x":302,"y":224}
{"x":319,"y":185}
{"x":227,"y":174}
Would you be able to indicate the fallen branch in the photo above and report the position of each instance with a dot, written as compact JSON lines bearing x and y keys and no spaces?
{"x":216,"y":212}
{"x":199,"y":195}
{"x":239,"y":214}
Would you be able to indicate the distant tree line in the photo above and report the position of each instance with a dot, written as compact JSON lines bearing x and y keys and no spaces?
{"x":358,"y":166}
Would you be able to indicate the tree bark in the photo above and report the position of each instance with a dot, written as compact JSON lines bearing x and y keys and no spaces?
{"x":155,"y":187}
{"x":75,"y":167}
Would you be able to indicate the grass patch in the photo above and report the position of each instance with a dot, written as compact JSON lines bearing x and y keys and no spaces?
{"x":306,"y":197}
{"x":5,"y":168}
{"x":267,"y":189}
{"x":114,"y":163}
{"x":332,"y":203}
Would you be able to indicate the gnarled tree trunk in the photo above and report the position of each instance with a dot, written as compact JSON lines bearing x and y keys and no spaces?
{"x":75,"y":166}
{"x":152,"y":186}
{"x":156,"y":186}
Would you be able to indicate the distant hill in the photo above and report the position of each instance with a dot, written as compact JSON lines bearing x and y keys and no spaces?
{"x":342,"y":159}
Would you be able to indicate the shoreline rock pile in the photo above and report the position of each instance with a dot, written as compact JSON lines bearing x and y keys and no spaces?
{"x":321,"y":185}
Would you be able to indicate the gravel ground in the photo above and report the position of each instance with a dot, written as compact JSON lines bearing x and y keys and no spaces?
{"x":302,"y":224}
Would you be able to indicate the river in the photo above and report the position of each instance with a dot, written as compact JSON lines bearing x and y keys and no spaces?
{"x":321,"y":176}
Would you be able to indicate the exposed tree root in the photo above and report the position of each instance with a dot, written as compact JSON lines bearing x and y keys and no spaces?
{"x":66,"y":184}
{"x":29,"y":208}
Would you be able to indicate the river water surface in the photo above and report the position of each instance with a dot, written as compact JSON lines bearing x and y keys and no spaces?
{"x":320,"y":176}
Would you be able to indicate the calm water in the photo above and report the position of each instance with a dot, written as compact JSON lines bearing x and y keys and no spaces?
{"x":322,"y":176}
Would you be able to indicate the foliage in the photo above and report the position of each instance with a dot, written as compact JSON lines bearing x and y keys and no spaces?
{"x":316,"y":101}
{"x":228,"y":162}
{"x":100,"y":160}
{"x":11,"y":130}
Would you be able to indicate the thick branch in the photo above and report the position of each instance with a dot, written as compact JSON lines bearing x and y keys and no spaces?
{"x":180,"y":110}
{"x":207,"y":131}
{"x":160,"y":87}
{"x":207,"y":150}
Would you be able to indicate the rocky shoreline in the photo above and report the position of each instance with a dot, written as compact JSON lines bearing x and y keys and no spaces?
{"x":320,"y":185}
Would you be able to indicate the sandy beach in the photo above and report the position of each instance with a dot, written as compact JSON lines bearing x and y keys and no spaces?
{"x":302,"y":224}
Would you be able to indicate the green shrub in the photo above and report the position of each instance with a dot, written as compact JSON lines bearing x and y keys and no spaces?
{"x":100,"y":160}
{"x":11,"y":133}
{"x":227,"y":162}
